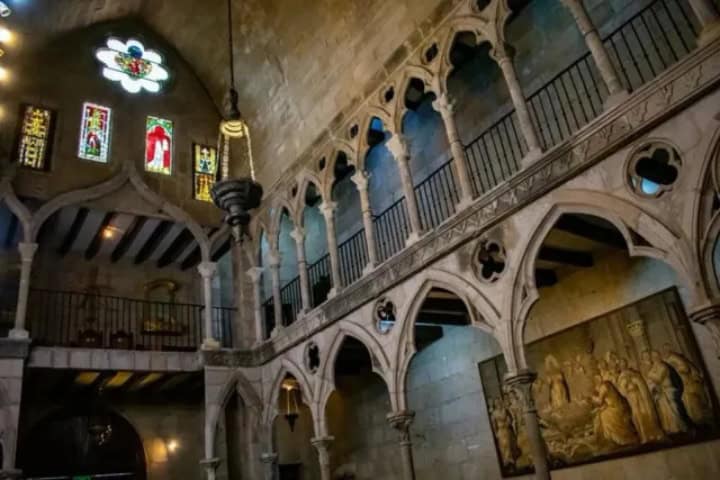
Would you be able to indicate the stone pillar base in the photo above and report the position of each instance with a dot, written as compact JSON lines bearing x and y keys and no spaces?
{"x":369,"y":268}
{"x":531,"y":157}
{"x":210,"y":344}
{"x":332,"y":293}
{"x":11,"y":474}
{"x":412,"y":239}
{"x":20,"y":334}
{"x":709,"y":34}
{"x":464,"y":203}
{"x":615,"y":99}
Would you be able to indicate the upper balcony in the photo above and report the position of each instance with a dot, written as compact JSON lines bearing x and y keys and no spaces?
{"x":639,"y":47}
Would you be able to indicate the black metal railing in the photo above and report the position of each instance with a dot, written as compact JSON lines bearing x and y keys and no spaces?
{"x":495,"y":154}
{"x":72,"y":319}
{"x":437,"y":196}
{"x":290,"y":295}
{"x":641,"y":48}
{"x":392,"y":228}
{"x":353,"y":257}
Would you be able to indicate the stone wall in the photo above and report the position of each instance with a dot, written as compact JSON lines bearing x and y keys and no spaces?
{"x":451,"y":434}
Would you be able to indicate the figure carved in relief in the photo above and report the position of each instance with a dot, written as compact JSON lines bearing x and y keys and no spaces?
{"x":694,"y":396}
{"x":503,"y":425}
{"x":667,"y":388}
{"x":613,"y":419}
{"x":559,"y":392}
{"x":644,"y":415}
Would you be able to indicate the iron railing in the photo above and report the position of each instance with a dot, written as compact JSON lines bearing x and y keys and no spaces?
{"x":641,"y":48}
{"x":72,"y":319}
{"x":353,"y":257}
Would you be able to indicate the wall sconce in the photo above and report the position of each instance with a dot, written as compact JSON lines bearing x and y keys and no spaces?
{"x":292,"y":411}
{"x":172,"y":445}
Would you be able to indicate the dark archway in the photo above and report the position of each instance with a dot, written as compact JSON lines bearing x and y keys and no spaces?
{"x":65,"y":444}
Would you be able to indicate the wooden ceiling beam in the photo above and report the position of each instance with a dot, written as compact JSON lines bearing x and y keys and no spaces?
{"x":128,"y":238}
{"x":574,"y":258}
{"x":97,"y":240}
{"x":178,"y":246}
{"x":152,"y":243}
{"x":74,"y":231}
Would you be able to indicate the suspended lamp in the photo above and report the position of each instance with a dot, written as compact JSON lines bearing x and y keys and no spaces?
{"x":235,"y":196}
{"x":292,"y":411}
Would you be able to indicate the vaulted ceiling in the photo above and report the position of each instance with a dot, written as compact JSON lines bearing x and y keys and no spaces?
{"x":299,"y":62}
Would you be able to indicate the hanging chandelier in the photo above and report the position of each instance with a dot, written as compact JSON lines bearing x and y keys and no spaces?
{"x":235,"y":196}
{"x":292,"y":410}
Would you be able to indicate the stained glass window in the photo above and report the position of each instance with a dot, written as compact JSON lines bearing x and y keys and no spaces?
{"x":35,"y":135}
{"x":131,"y":64}
{"x":95,"y":133}
{"x":205,"y":171}
{"x":158,"y":145}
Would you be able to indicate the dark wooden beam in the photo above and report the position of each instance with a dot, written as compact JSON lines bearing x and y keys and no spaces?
{"x":178,"y":246}
{"x":192,"y":259}
{"x":96,"y":242}
{"x":575,"y":258}
{"x":72,"y":234}
{"x":545,"y":277}
{"x":11,"y":231}
{"x":224,"y":248}
{"x":128,"y":238}
{"x":578,"y":226}
{"x":151,"y":244}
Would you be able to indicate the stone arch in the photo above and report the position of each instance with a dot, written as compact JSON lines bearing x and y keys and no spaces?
{"x":328,"y":179}
{"x":279,"y":206}
{"x":706,"y":224}
{"x":7,"y":194}
{"x":645,"y":236}
{"x":409,"y":73}
{"x":127,"y":175}
{"x":287,"y":367}
{"x":236,"y":383}
{"x":372,"y":112}
{"x":305,"y":179}
{"x":380,"y":366}
{"x":483,"y":314}
{"x":472,"y":24}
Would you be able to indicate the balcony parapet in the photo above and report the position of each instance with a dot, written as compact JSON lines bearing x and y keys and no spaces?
{"x":686,"y":82}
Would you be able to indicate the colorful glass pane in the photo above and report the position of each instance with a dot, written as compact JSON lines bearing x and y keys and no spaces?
{"x":158,"y":145}
{"x":205,"y":162}
{"x":131,"y":64}
{"x":95,"y":133}
{"x":35,"y":137}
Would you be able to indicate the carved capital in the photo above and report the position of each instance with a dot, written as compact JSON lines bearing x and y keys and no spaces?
{"x":298,"y":234}
{"x":207,"y":269}
{"x":398,"y":147}
{"x":361,"y":179}
{"x":521,"y":383}
{"x":709,"y":317}
{"x":322,"y":445}
{"x":210,"y":463}
{"x":269,"y":458}
{"x":255,"y":273}
{"x":444,"y":105}
{"x":274,"y":258}
{"x":27,"y":251}
{"x":502,"y":53}
{"x":401,"y":422}
{"x":328,"y":210}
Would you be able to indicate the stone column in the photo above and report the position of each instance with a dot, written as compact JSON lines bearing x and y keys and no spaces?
{"x":521,"y":383}
{"x":274,"y":263}
{"x":709,"y":19}
{"x":503,"y":56}
{"x":598,"y":52}
{"x":270,"y":461}
{"x":401,"y":422}
{"x":210,"y":465}
{"x":328,"y":211}
{"x":322,"y":445}
{"x":255,"y":274}
{"x":399,"y":149}
{"x":27,"y":253}
{"x":207,"y":271}
{"x":361,"y":181}
{"x":298,"y":234}
{"x":709,"y":317}
{"x":447,"y":112}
